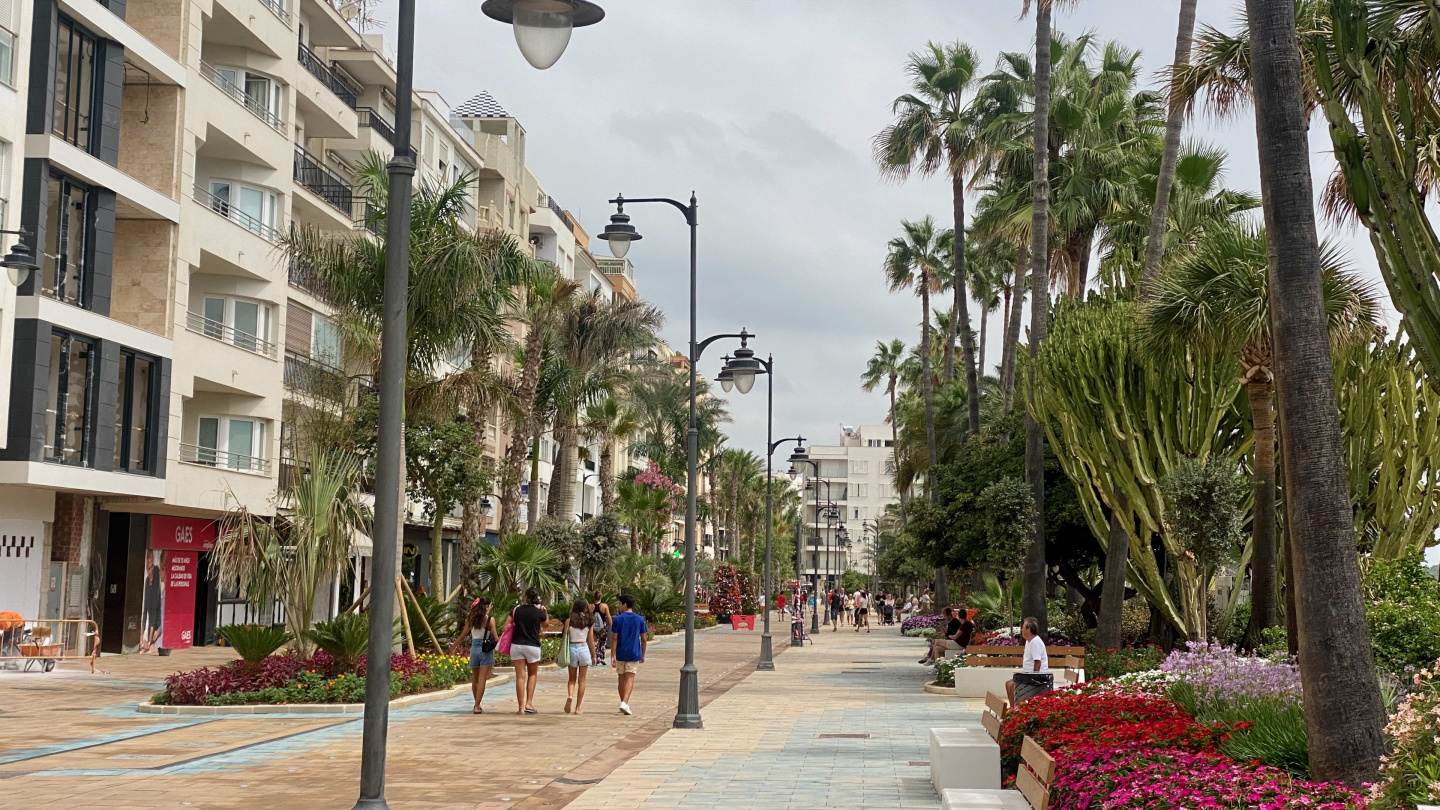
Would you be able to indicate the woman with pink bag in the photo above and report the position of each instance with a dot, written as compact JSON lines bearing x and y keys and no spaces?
{"x":521,"y":641}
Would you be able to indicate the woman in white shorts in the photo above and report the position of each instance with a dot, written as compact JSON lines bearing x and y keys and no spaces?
{"x":525,"y":649}
{"x":580,"y":635}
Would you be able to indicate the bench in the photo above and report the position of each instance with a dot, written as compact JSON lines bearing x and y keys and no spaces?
{"x":1010,"y":657}
{"x":1032,"y":784}
{"x":1072,"y":677}
{"x":963,"y":758}
{"x":552,"y":627}
{"x":993,"y":717}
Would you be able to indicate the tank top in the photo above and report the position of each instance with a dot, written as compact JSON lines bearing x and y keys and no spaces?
{"x":582,"y":632}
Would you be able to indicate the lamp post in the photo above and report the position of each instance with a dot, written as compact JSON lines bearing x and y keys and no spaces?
{"x":20,"y":261}
{"x":801,"y":456}
{"x":542,"y":30}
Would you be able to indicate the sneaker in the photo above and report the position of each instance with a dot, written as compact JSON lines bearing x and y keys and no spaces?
{"x":625,"y":708}
{"x":925,"y":661}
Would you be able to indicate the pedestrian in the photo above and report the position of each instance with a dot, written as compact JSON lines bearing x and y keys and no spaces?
{"x":525,"y":649}
{"x":958,"y":632}
{"x":580,"y":635}
{"x":627,"y":647}
{"x":601,"y":623}
{"x":780,"y":602}
{"x":1034,"y":678}
{"x":480,"y":626}
{"x":862,"y":611}
{"x":837,"y":605}
{"x":926,"y":601}
{"x":889,"y":608}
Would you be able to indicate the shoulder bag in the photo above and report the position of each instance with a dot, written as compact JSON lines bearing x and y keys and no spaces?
{"x":503,"y":646}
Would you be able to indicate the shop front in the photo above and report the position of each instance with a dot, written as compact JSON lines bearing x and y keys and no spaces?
{"x":157,"y":594}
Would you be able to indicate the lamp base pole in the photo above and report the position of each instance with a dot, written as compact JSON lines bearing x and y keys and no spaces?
{"x":688,"y":713}
{"x":372,"y":804}
{"x":767,"y":660}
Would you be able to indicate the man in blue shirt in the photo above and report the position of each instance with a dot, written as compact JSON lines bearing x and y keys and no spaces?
{"x":627,"y":641}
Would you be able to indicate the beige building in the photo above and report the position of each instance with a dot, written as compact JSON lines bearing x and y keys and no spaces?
{"x":855,"y":484}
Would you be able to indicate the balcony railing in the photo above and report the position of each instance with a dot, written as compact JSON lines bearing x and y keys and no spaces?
{"x":211,"y":457}
{"x":312,"y":174}
{"x":201,"y":325}
{"x":310,"y":376}
{"x":328,"y":77}
{"x":278,"y":8}
{"x":372,"y":119}
{"x":226,"y":209}
{"x":229,"y":88}
{"x":303,"y":277}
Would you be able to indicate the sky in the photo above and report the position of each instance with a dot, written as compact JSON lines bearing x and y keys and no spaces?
{"x":766,"y":109}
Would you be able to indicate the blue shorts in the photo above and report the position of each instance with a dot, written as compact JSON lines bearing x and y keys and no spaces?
{"x":478,"y":657}
{"x":580,"y":655}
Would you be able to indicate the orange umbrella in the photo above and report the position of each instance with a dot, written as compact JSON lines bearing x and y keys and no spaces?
{"x":10,"y":620}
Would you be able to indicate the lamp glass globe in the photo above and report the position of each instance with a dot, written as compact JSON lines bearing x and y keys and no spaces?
{"x":744,"y":381}
{"x":542,"y":30}
{"x":619,"y":245}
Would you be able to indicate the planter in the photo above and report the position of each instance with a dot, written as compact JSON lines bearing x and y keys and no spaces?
{"x":747,"y":622}
{"x":318,"y":708}
{"x":722,"y":618}
{"x":935,"y":689}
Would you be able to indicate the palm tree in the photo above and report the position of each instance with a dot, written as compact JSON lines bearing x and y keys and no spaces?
{"x":607,"y":422}
{"x":1155,"y":244}
{"x":1218,"y":297}
{"x":520,"y":561}
{"x":546,"y":294}
{"x":662,"y":405}
{"x":933,"y":131}
{"x":914,"y":260}
{"x":884,"y":366}
{"x":990,"y":262}
{"x":1344,"y":714}
{"x":306,"y":546}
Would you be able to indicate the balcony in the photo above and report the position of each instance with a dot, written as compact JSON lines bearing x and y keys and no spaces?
{"x":329,"y":77}
{"x":372,"y":119}
{"x":310,"y":376}
{"x":278,"y":9}
{"x":304,"y":278}
{"x":220,"y":459}
{"x":201,"y":325}
{"x":225,"y":209}
{"x":229,"y":88}
{"x":331,"y":187}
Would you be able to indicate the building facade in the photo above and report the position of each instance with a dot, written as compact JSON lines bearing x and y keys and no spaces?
{"x":855,"y":483}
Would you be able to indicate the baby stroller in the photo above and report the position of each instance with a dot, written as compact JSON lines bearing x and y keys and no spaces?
{"x":889,"y":613}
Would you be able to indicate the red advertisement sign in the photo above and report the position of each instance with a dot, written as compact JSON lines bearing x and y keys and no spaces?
{"x":181,"y":534}
{"x":182,"y":569}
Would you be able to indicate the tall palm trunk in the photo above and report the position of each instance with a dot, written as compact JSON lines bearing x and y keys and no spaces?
{"x":1264,"y":610}
{"x":567,"y":463}
{"x":607,"y":476}
{"x":533,"y":508}
{"x":1155,"y":243}
{"x":984,"y":327}
{"x":522,"y":428}
{"x":1344,"y":714}
{"x":471,"y":515}
{"x":962,"y":308}
{"x":1033,"y":599}
{"x":1011,"y":340}
{"x":1109,"y":632}
{"x":926,"y":391}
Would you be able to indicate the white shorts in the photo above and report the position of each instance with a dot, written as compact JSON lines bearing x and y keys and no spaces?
{"x":524,"y":652}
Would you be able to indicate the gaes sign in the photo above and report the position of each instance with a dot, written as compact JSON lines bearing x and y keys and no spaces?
{"x":181,"y":534}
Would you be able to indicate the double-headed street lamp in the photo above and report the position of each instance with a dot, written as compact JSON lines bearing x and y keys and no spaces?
{"x":542,"y":30}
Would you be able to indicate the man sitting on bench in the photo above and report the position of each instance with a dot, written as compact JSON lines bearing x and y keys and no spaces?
{"x":958,"y":630}
{"x":1034,"y":677}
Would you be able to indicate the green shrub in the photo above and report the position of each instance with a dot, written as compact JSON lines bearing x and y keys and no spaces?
{"x":253,"y":642}
{"x":1112,"y":663}
{"x":661,"y":629}
{"x":1403,"y":612}
{"x":1269,"y":729}
{"x":656,"y":601}
{"x":945,"y":671}
{"x":346,"y":638}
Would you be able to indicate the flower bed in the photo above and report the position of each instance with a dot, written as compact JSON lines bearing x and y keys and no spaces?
{"x":1100,"y":663}
{"x":1410,"y":775}
{"x":917,"y":621}
{"x":290,"y":678}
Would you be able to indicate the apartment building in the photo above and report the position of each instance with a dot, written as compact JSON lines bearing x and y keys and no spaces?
{"x":856,"y":476}
{"x":162,"y":360}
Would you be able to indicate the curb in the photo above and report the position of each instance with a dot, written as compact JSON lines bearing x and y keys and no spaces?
{"x":314,"y":708}
{"x":948,"y":691}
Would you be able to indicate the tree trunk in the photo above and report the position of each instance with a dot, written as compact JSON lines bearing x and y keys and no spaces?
{"x":472,"y":516}
{"x":1109,"y":633}
{"x":607,"y":477}
{"x":533,"y":507}
{"x":1155,"y":243}
{"x":437,"y":556}
{"x":1011,"y":338}
{"x":1033,"y":600}
{"x":984,"y":327}
{"x":522,"y":428}
{"x":962,"y":308}
{"x":926,"y":391}
{"x":1344,"y":715}
{"x":562,"y":477}
{"x":1263,"y":609}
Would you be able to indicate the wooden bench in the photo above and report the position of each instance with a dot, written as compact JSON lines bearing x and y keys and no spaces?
{"x":993,"y":716}
{"x":1072,"y":677}
{"x":1032,"y":783}
{"x":984,"y":655}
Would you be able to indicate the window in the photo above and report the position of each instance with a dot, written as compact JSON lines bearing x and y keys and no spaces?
{"x":236,"y":444}
{"x":859,"y":468}
{"x":833,"y":468}
{"x":4,"y":181}
{"x":860,"y":490}
{"x":325,"y":341}
{"x":74,"y":85}
{"x":67,"y":234}
{"x":71,"y":390}
{"x":248,"y":322}
{"x":134,"y":412}
{"x":7,"y":58}
{"x":860,"y":513}
{"x":888,"y":466}
{"x":259,"y":93}
{"x":882,"y":490}
{"x":253,"y":208}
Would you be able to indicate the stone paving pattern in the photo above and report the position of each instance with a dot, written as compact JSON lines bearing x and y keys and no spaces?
{"x":75,"y":740}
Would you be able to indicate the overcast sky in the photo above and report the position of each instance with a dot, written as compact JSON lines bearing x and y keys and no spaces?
{"x":766,"y":109}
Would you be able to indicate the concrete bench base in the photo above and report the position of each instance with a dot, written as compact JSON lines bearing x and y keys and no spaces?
{"x":963,"y":758}
{"x":974,"y":682}
{"x":983,"y":800}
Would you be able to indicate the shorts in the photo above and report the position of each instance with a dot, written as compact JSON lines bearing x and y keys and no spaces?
{"x":1032,"y":684}
{"x":864,"y":611}
{"x":524,"y":652}
{"x":478,"y":657}
{"x":627,"y":667}
{"x":580,"y":655}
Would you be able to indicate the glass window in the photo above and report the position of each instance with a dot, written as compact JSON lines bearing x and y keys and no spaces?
{"x":252,"y":208}
{"x":241,"y":443}
{"x":68,"y":407}
{"x":248,"y":322}
{"x":208,"y":440}
{"x":237,"y":444}
{"x":7,"y":58}
{"x":325,"y":342}
{"x":134,"y":412}
{"x":67,"y":218}
{"x":74,"y":85}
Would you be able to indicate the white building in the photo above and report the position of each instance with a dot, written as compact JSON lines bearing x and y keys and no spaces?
{"x":854,"y":483}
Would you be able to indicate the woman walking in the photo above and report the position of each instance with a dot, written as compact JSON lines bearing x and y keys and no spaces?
{"x":601,"y":623}
{"x":481,"y":627}
{"x":580,"y":635}
{"x":525,"y":649}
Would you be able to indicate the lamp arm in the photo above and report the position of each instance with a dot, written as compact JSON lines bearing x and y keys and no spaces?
{"x":776,"y":445}
{"x":690,"y":211}
{"x":700,"y":347}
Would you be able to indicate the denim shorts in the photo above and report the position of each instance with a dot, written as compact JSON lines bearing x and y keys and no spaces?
{"x":478,"y":656}
{"x":580,"y":655}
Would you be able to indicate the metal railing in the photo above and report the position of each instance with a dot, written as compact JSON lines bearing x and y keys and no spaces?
{"x":328,"y":77}
{"x":221,"y":459}
{"x":369,"y":117}
{"x":312,"y":174}
{"x":278,"y":8}
{"x":310,"y":376}
{"x":234,"y":91}
{"x":46,"y":641}
{"x":226,"y":209}
{"x":201,"y":325}
{"x":303,"y":277}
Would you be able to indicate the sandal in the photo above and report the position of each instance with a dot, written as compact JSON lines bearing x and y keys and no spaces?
{"x":568,"y":703}
{"x":531,"y":711}
{"x":478,"y":710}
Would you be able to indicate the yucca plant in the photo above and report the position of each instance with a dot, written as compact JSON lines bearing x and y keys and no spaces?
{"x":254,"y":642}
{"x":345,"y":637}
{"x":519,"y":562}
{"x":653,"y":601}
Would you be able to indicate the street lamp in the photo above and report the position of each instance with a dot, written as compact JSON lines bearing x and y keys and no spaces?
{"x":20,"y":261}
{"x":538,"y":26}
{"x":620,"y":233}
{"x":798,"y":457}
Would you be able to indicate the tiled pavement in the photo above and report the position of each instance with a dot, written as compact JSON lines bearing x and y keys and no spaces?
{"x":73,"y":740}
{"x":767,"y":742}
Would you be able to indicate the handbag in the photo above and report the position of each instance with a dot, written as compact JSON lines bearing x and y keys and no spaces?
{"x":503,"y":646}
{"x":489,"y":642}
{"x":562,"y":658}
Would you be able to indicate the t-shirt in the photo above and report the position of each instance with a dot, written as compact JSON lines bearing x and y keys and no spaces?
{"x":952,"y":628}
{"x":967,"y":632}
{"x":836,"y":601}
{"x":528,"y":619}
{"x":1035,"y":651}
{"x":627,"y":628}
